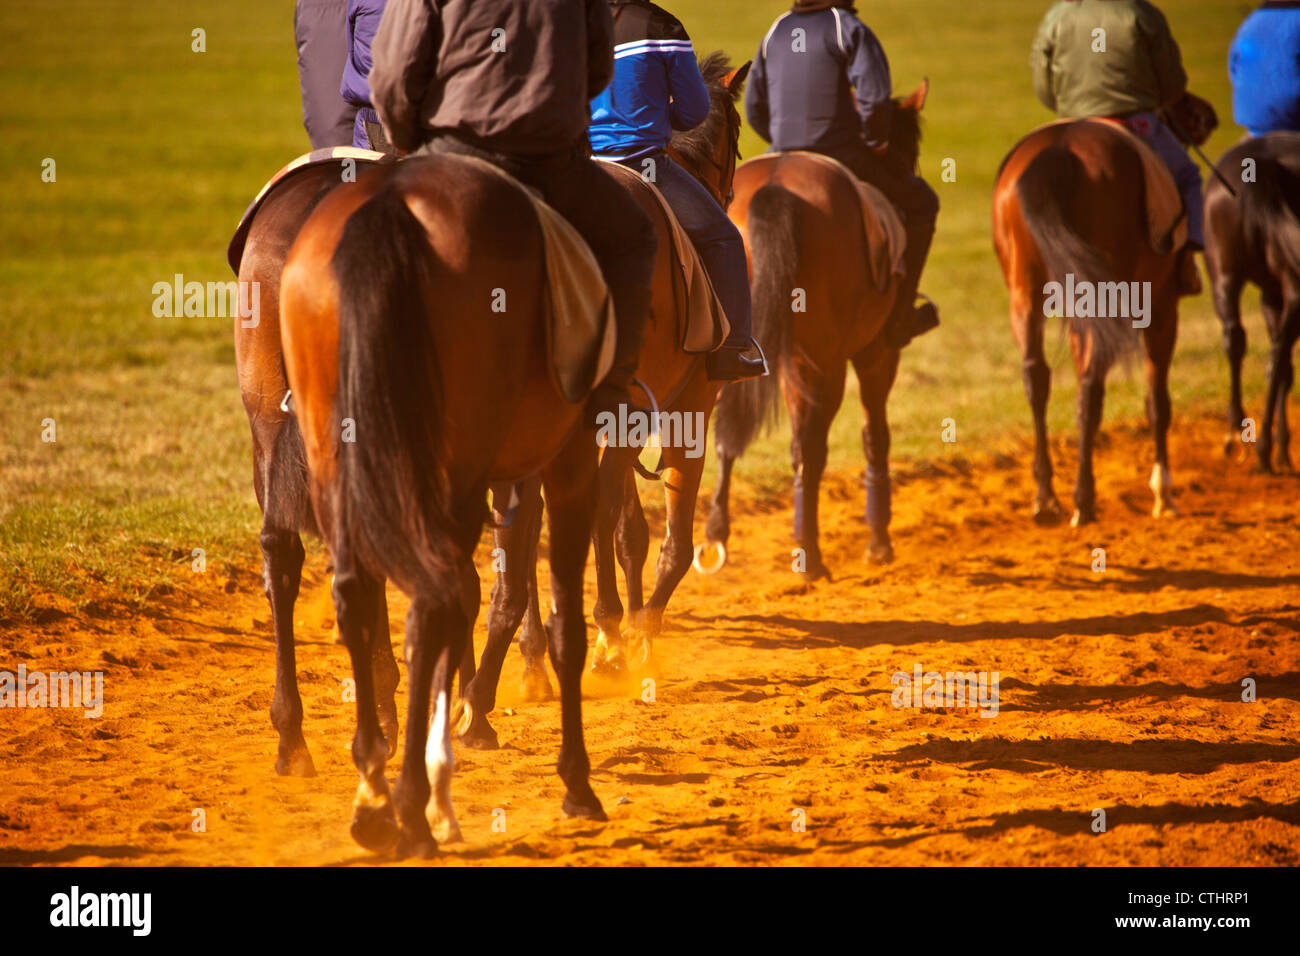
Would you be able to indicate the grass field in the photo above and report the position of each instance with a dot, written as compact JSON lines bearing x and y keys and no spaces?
{"x":158,"y":149}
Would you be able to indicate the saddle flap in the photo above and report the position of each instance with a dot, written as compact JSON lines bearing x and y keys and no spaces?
{"x":1166,"y":212}
{"x":704,"y":324}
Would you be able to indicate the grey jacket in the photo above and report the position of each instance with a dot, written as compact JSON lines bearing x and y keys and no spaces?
{"x":510,"y":76}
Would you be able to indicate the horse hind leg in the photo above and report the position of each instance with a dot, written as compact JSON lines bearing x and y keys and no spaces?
{"x":609,"y":657}
{"x":876,"y":373}
{"x":1282,"y":376}
{"x":1227,"y":303}
{"x":1092,"y":394}
{"x":811,"y":418}
{"x":356,"y":592}
{"x":439,"y":763}
{"x":282,"y":559}
{"x":1159,"y":342}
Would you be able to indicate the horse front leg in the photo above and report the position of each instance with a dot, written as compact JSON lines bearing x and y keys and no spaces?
{"x":1282,"y":376}
{"x":718,"y":529}
{"x":876,"y":371}
{"x":1227,"y":303}
{"x":513,"y":557}
{"x":610,"y":654}
{"x":1159,"y":340}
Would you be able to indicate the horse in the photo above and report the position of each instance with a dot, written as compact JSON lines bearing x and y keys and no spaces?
{"x":1070,"y":201}
{"x":679,"y":379}
{"x":279,"y":459}
{"x":1254,"y":236}
{"x":803,"y":228}
{"x":376,"y":295}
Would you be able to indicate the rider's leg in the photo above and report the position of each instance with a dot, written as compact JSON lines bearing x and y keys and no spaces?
{"x":722,"y":249}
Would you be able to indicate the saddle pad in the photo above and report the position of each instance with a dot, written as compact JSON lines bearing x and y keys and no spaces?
{"x":235,"y":251}
{"x":706,"y":326}
{"x":580,"y":329}
{"x":885,"y":235}
{"x":1166,"y":214}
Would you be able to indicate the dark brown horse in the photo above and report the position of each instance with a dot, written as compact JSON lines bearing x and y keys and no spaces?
{"x":1254,"y":236}
{"x":680,"y":382}
{"x":279,"y":462}
{"x":1069,"y":208}
{"x":803,"y":230}
{"x":413,"y":396}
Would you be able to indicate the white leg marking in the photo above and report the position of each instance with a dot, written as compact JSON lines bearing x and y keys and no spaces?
{"x":439,"y":764}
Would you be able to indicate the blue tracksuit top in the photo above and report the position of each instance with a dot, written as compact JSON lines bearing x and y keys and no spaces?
{"x":657,"y":86}
{"x":819,"y":79}
{"x":1264,"y":65}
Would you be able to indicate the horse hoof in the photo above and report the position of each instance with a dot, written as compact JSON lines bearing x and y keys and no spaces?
{"x":701,"y":553}
{"x":479,"y":735}
{"x":1082,"y":518}
{"x":389,"y":730}
{"x":462,"y":717}
{"x":587,"y":808}
{"x":1164,"y":509}
{"x":375,"y":828}
{"x":536,"y":686}
{"x":446,"y":831}
{"x":420,"y":847}
{"x":880,"y":553}
{"x":608,"y":668}
{"x":816,"y":571}
{"x":1048,"y":514}
{"x":296,"y":764}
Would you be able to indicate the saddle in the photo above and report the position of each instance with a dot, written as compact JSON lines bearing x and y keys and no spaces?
{"x":580,"y":328}
{"x":705,"y":326}
{"x":235,"y":251}
{"x":1166,"y":213}
{"x":885,"y":235}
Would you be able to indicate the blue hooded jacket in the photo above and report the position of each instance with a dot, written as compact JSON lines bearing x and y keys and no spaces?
{"x":657,"y":86}
{"x":820,"y":79}
{"x":363,"y":22}
{"x":1264,"y":65}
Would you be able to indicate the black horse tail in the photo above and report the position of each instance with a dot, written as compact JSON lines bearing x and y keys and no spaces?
{"x":773,"y":238}
{"x":1046,"y":190}
{"x":1270,"y":213}
{"x":393,"y":490}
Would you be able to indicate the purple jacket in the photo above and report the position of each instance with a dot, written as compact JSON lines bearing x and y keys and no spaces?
{"x":363,"y":22}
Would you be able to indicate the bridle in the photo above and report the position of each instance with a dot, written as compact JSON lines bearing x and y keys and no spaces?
{"x":725,"y":175}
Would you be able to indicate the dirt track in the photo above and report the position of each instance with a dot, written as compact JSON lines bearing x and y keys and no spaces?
{"x":1119,"y":691}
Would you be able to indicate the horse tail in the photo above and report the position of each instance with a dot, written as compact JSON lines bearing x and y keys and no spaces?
{"x":773,"y":240}
{"x":393,"y":496}
{"x":1046,"y":189}
{"x":1270,"y":213}
{"x":288,"y":498}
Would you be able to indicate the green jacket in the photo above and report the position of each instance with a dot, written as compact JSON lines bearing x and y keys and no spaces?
{"x":1133,"y":65}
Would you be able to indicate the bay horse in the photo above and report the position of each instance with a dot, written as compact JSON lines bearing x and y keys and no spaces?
{"x":1254,"y":236}
{"x":803,"y":229}
{"x":388,"y":329}
{"x":681,"y":384}
{"x":1070,"y":201}
{"x":279,"y":459}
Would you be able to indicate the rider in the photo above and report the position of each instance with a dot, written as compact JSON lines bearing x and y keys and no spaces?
{"x":821,"y":82}
{"x":318,"y":29}
{"x":657,"y":88}
{"x":1264,"y":65}
{"x":1118,"y":58}
{"x":363,"y":21}
{"x":508,"y":81}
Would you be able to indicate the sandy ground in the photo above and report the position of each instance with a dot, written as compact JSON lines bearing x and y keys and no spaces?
{"x":1119,"y":691}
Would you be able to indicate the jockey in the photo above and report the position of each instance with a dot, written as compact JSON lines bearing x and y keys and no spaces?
{"x":1264,"y":65}
{"x":318,"y":28}
{"x":508,"y":81}
{"x":362,"y":22}
{"x":657,"y":88}
{"x":821,"y":82}
{"x":1118,"y":58}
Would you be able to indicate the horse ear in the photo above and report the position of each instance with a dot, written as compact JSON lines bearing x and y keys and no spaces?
{"x":916,"y":100}
{"x":736,"y":79}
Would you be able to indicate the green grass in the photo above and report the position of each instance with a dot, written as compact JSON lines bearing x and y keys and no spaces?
{"x":159,"y":149}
